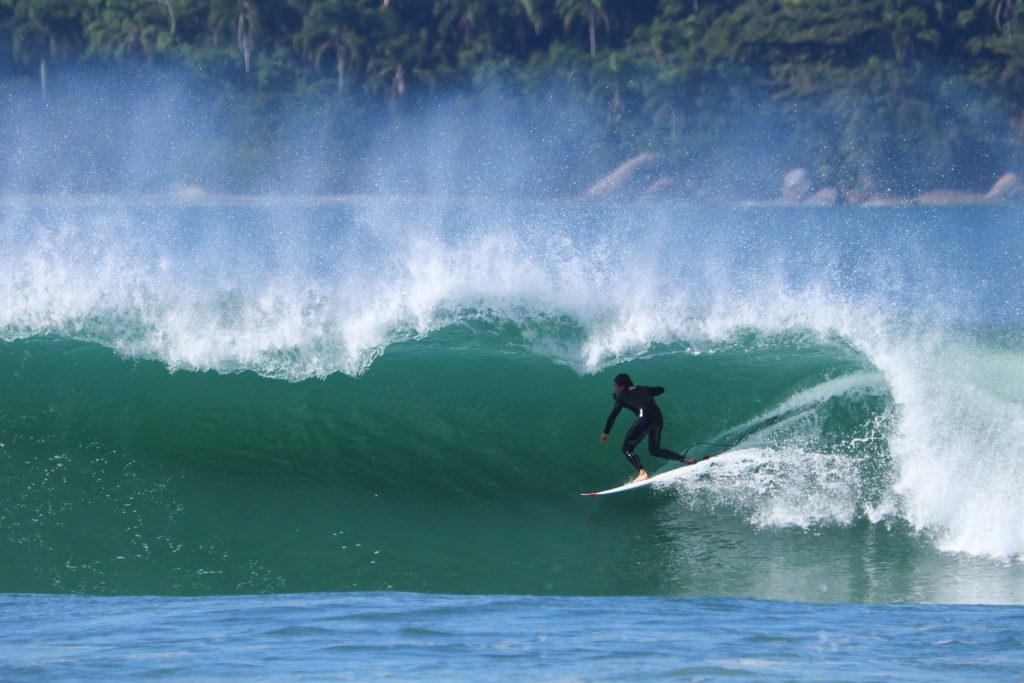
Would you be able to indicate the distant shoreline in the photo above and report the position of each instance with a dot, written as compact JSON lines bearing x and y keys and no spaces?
{"x":936,"y":199}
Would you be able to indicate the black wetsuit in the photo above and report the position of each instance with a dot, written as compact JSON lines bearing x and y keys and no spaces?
{"x":649,"y":423}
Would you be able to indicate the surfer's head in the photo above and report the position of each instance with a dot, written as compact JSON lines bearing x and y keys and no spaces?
{"x":622,"y":382}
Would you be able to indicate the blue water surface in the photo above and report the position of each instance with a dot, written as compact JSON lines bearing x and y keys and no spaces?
{"x":402,"y":636}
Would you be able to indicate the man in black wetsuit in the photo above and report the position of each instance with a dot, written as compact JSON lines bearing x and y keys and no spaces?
{"x":649,"y":423}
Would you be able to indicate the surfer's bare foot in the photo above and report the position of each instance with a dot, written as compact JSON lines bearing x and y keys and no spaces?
{"x":641,"y":475}
{"x":689,"y":461}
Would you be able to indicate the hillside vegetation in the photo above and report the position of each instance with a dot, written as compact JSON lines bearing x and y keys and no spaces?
{"x":896,"y":96}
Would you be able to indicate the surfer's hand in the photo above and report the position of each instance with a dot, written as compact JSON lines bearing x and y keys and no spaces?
{"x":604,"y":437}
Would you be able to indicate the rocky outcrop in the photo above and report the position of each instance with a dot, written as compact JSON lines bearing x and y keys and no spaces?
{"x":796,"y":186}
{"x":646,"y":176}
{"x":190,"y":193}
{"x":660,"y":187}
{"x":948,"y":198}
{"x":884,"y":200}
{"x":826,"y":196}
{"x":623,"y":178}
{"x":1008,"y":186}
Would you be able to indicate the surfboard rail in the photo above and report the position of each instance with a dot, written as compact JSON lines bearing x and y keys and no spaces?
{"x":675,"y":473}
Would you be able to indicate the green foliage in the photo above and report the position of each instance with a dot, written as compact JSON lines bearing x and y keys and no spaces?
{"x":874,"y":93}
{"x":41,"y":29}
{"x":127,"y":28}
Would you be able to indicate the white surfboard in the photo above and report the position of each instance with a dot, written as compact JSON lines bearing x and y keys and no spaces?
{"x":681,"y":472}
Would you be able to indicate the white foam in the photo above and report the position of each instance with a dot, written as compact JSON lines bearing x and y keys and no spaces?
{"x":232,"y":303}
{"x":777,"y":487}
{"x":959,"y":448}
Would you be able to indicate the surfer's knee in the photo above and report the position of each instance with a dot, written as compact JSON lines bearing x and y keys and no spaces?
{"x":633,"y":459}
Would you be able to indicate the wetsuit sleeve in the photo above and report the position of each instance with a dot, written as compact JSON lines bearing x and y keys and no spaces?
{"x":656,"y":391}
{"x":611,"y":418}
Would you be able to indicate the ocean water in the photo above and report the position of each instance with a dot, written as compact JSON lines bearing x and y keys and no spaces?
{"x":403,"y":636}
{"x":280,"y":413}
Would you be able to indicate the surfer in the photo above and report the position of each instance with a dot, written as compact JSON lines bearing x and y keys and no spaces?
{"x":649,"y":422}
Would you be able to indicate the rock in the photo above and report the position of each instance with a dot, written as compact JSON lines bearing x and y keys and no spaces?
{"x":1007,"y":187}
{"x":948,"y":198}
{"x":884,"y":200}
{"x":660,"y":187}
{"x":615,"y":182}
{"x":190,"y":193}
{"x":826,"y":196}
{"x":866,"y":189}
{"x":796,"y":185}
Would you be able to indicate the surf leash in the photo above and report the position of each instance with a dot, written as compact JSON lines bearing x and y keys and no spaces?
{"x":728,"y":446}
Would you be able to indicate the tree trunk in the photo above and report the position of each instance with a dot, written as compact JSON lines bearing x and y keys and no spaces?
{"x":1004,"y":14}
{"x":245,"y":35}
{"x":42,"y":77}
{"x":245,"y":52}
{"x":593,"y":33}
{"x":397,"y":88}
{"x":340,"y":49}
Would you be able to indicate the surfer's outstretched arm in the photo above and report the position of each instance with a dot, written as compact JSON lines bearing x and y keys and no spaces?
{"x":611,"y":420}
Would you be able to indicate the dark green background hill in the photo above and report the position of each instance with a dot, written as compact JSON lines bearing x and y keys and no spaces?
{"x":894,"y":96}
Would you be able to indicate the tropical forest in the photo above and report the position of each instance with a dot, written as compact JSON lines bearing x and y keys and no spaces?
{"x":721,"y":97}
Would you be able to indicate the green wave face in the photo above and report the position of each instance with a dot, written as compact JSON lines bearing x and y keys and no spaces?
{"x":437,"y":470}
{"x":364,"y":405}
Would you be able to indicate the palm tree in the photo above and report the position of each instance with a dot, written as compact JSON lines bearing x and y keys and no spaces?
{"x":401,"y":56}
{"x":245,"y":32}
{"x":1002,"y":12}
{"x":41,"y":30}
{"x":461,"y":15}
{"x":479,"y":29}
{"x":120,"y":27}
{"x":338,"y":26}
{"x":591,"y":10}
{"x":524,"y":16}
{"x":346,"y":44}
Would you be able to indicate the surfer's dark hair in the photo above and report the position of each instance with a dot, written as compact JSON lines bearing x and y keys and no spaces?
{"x":623,"y":380}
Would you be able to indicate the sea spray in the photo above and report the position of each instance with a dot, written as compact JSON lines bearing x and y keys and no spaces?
{"x":960,"y":445}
